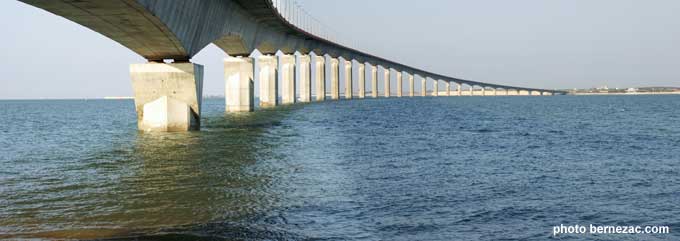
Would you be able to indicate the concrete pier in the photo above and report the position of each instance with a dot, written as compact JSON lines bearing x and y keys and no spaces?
{"x":167,"y":96}
{"x":265,"y":75}
{"x":423,"y":85}
{"x":332,"y":74}
{"x":359,"y":75}
{"x":318,"y":76}
{"x":411,"y":85}
{"x":447,"y":85}
{"x":472,"y":90}
{"x":346,"y":76}
{"x":372,"y":74}
{"x":459,"y":89}
{"x":386,"y":81}
{"x":398,"y":76}
{"x":239,"y":91}
{"x":435,"y":87}
{"x":286,"y":77}
{"x":302,"y":76}
{"x":494,"y":92}
{"x":483,"y":91}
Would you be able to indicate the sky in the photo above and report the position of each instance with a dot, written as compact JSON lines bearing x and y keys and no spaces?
{"x":551,"y":44}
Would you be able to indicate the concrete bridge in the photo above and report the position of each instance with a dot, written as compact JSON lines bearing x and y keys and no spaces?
{"x":273,"y":42}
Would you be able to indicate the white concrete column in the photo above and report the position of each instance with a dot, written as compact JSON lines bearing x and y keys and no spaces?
{"x":372,"y":71}
{"x":346,"y":76}
{"x":167,"y":96}
{"x":265,"y":75}
{"x":411,"y":86}
{"x":286,"y":76}
{"x":495,"y":92}
{"x":423,"y":84}
{"x":436,"y":87}
{"x":239,"y":90}
{"x":447,"y":85}
{"x":302,"y":76}
{"x":459,"y":89}
{"x":398,"y":77}
{"x":483,"y":91}
{"x":332,"y":72}
{"x":358,"y":75}
{"x":386,"y":81}
{"x":318,"y":76}
{"x":472,"y":90}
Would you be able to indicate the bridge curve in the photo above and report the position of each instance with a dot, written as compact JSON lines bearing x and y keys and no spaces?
{"x":178,"y":29}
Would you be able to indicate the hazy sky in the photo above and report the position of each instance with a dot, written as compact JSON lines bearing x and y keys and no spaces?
{"x":534,"y":43}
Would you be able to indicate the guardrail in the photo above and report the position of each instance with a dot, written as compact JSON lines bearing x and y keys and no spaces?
{"x":295,"y":15}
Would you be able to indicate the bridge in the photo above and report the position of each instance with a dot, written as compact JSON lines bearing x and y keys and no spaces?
{"x":270,"y":43}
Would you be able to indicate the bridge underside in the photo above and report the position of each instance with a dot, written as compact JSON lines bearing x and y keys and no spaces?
{"x":124,"y":21}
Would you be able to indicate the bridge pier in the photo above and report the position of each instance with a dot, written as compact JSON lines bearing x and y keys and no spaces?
{"x":423,"y":85}
{"x":411,"y":85}
{"x":346,"y":76}
{"x":494,"y":92}
{"x":400,"y":89}
{"x":265,"y":75}
{"x":167,"y":96}
{"x":302,"y":76}
{"x":483,"y":91}
{"x":472,"y":90}
{"x":239,"y":90}
{"x":435,"y":87}
{"x":332,"y":74}
{"x":286,"y":76}
{"x":372,"y":72}
{"x":359,"y":74}
{"x":447,"y":86}
{"x":459,"y":90}
{"x":386,"y":81}
{"x":317,"y":75}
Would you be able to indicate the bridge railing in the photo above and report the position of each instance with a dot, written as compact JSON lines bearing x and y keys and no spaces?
{"x":294,"y":14}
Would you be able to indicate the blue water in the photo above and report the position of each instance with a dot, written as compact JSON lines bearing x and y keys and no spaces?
{"x":458,"y":168}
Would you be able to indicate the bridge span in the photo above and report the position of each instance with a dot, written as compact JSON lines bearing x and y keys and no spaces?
{"x":272,"y":42}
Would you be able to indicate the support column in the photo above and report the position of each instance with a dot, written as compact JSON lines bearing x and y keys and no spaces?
{"x":435,"y":88}
{"x":332,"y":72}
{"x":167,"y":96}
{"x":423,"y":85}
{"x":447,"y":85}
{"x":286,"y":76}
{"x":372,"y":73}
{"x":459,"y":89}
{"x":302,"y":76}
{"x":494,"y":91}
{"x":346,"y":76}
{"x":239,"y":91}
{"x":472,"y":90}
{"x":411,"y":85}
{"x":386,"y":81}
{"x":398,"y":76}
{"x":318,"y":76}
{"x":358,"y":74}
{"x":483,"y":91}
{"x":265,"y":75}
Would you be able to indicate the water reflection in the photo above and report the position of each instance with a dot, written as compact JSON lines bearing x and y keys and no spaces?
{"x":154,"y":183}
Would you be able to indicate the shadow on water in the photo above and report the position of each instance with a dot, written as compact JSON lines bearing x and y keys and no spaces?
{"x":173,"y":186}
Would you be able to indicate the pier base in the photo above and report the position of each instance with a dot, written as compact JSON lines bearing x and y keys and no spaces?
{"x":167,"y":96}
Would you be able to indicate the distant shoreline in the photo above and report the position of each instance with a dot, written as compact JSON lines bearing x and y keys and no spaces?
{"x":633,"y":93}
